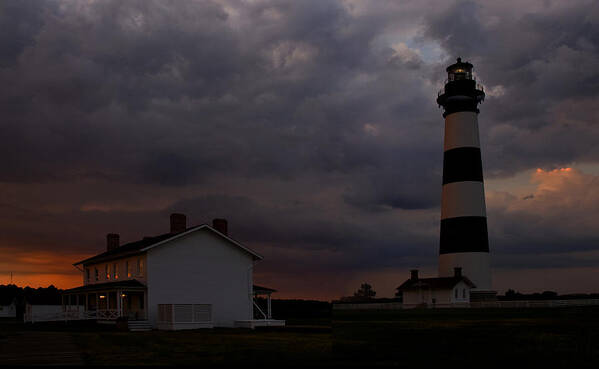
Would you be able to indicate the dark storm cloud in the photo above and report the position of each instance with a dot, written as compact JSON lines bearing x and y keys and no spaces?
{"x":251,"y":104}
{"x":299,"y":226}
{"x":20,"y":22}
{"x":544,"y":57}
{"x":172,"y":92}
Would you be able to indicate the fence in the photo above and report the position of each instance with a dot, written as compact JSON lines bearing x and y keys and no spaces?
{"x":471,"y":305}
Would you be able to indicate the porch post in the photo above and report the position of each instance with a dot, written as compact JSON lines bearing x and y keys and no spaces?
{"x":146,"y":307}
{"x":118,"y":302}
{"x":107,"y":300}
{"x":268,"y":308}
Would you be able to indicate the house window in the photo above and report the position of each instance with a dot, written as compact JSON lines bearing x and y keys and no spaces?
{"x":464,"y":293}
{"x":87,"y":274}
{"x":128,"y":267}
{"x":97,"y":275}
{"x":115,"y":271}
{"x":140,"y":267}
{"x":107,"y":270}
{"x":456,"y":293}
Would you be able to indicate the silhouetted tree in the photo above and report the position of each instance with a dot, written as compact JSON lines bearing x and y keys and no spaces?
{"x":365,"y":292}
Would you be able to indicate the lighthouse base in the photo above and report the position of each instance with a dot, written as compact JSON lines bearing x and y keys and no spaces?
{"x":475,"y":265}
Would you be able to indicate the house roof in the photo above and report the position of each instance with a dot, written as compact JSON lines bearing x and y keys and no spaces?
{"x":434,"y":283}
{"x":147,"y":243}
{"x":262,"y":290}
{"x":130,"y":283}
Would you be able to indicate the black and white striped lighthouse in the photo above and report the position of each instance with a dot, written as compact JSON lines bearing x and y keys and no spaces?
{"x":464,"y":241}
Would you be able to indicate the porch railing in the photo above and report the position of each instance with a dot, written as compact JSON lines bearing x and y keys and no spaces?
{"x":108,"y":314}
{"x":32,"y":316}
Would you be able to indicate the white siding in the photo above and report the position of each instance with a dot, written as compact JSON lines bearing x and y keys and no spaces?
{"x":440,"y":296}
{"x":201,"y":268}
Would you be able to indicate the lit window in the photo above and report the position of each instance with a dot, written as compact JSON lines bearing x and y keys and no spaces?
{"x":140,"y":267}
{"x":128,"y":267}
{"x":97,"y":275}
{"x":115,"y":271}
{"x":107,"y":270}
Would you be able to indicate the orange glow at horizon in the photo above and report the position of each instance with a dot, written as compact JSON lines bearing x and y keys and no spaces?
{"x":558,"y":170}
{"x":60,"y":281}
{"x":39,"y":268}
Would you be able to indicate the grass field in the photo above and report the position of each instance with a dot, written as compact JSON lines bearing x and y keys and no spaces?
{"x":561,"y":337}
{"x":213,"y":347}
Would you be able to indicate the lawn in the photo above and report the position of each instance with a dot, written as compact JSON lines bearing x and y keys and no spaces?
{"x":560,"y":337}
{"x":211,"y":346}
{"x":564,"y":337}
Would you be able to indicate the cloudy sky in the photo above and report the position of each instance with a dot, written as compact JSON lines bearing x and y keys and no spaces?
{"x":310,"y":125}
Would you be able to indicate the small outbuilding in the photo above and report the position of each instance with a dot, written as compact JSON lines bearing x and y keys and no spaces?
{"x":436,"y":292}
{"x":8,"y":308}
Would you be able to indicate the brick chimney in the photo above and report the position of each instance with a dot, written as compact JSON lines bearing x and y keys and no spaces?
{"x":457,"y":272}
{"x":220,"y":225}
{"x":112,"y":241}
{"x":178,"y":223}
{"x":414,"y":274}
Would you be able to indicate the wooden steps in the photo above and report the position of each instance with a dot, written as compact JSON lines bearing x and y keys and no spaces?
{"x":139,"y":326}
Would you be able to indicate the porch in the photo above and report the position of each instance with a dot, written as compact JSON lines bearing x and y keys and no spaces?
{"x":262,"y":314}
{"x":107,"y":301}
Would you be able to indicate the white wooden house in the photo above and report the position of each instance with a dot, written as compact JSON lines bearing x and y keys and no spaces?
{"x":188,"y":278}
{"x":436,"y":292}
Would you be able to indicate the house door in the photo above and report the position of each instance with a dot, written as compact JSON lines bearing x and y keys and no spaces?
{"x":133,"y":305}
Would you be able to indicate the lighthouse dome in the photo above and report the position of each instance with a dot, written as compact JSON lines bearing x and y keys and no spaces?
{"x":458,"y":71}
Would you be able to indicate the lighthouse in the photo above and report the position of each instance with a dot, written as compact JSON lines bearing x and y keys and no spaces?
{"x":464,"y":240}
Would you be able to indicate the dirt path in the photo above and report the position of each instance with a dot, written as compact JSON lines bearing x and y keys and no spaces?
{"x":39,"y":348}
